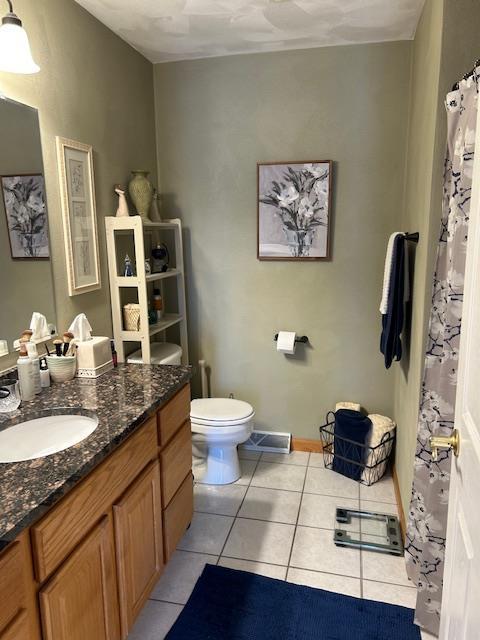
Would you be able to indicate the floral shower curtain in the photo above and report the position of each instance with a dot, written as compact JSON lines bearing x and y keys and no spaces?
{"x":427,"y":518}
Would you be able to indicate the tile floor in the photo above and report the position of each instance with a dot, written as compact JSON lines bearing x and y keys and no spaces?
{"x":277,"y":520}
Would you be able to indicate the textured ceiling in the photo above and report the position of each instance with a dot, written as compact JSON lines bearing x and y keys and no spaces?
{"x":165,"y":30}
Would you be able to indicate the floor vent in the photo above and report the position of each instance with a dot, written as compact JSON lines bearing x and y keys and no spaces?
{"x":272,"y":441}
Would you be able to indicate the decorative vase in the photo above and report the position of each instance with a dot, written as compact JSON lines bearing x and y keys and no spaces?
{"x":154,"y":210}
{"x":122,"y":209}
{"x":299,"y":242}
{"x":141,"y":193}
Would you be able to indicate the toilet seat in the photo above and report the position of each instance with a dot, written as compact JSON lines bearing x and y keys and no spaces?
{"x":220,"y":412}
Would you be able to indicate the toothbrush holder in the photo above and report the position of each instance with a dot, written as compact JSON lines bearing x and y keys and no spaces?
{"x":62,"y":368}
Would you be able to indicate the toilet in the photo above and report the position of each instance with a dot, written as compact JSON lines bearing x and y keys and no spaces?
{"x":219,"y":425}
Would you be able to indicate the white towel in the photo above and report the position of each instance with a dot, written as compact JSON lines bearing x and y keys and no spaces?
{"x":354,"y":406}
{"x":387,"y":271}
{"x":382,"y":428}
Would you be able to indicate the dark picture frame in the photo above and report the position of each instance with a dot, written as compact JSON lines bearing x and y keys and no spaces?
{"x":294,"y":202}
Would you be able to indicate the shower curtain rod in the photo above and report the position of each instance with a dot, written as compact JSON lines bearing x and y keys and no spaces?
{"x":467,"y":75}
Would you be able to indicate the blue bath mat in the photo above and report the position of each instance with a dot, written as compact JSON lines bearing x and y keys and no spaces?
{"x":227,"y":604}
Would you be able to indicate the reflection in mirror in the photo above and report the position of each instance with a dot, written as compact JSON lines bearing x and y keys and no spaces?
{"x":26,"y":284}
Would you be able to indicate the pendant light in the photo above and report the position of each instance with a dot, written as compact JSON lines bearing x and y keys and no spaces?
{"x":15,"y":54}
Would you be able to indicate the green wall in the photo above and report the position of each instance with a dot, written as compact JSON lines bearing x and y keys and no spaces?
{"x":420,"y":204}
{"x":446,"y":46}
{"x":92,"y":87}
{"x":215,"y":120}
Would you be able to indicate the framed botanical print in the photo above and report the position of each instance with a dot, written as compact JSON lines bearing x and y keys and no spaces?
{"x":77,"y":187}
{"x":26,"y":213}
{"x":294,"y":210}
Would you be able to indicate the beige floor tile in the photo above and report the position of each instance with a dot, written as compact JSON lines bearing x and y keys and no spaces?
{"x":314,"y":549}
{"x":388,"y":568}
{"x":327,"y":581}
{"x":260,"y":541}
{"x":274,"y":505}
{"x":381,"y":491}
{"x":247,"y":467}
{"x":319,"y":511}
{"x":207,"y":534}
{"x":220,"y":499}
{"x":391,"y":593}
{"x":155,"y":620}
{"x":316,"y":460}
{"x":379,"y":507}
{"x":261,"y":568}
{"x":329,"y":483}
{"x":279,"y":476}
{"x":299,"y":458}
{"x":180,"y":575}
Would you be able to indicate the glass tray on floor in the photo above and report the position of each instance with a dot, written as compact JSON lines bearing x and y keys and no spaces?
{"x":368,"y":530}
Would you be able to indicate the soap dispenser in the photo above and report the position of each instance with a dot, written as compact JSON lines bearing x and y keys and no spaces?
{"x":25,"y":374}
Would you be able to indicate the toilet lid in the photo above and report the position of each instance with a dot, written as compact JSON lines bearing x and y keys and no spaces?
{"x":220,"y":410}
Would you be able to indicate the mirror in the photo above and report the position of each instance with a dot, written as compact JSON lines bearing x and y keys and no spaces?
{"x":26,"y":283}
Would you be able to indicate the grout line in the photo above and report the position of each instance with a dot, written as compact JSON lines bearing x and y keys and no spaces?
{"x":396,"y":584}
{"x":296,"y":522}
{"x":340,"y":575}
{"x":240,"y":506}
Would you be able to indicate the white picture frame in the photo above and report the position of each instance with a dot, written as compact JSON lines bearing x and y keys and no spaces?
{"x":77,"y":191}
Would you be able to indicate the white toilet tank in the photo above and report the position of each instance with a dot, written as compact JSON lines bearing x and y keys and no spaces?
{"x":160,"y":353}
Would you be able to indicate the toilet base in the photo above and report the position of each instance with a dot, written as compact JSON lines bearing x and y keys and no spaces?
{"x":221,"y":466}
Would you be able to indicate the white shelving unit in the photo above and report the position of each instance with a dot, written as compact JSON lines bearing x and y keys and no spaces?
{"x":117,"y":228}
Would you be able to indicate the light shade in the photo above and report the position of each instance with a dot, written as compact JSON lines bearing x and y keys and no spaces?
{"x":15,"y":53}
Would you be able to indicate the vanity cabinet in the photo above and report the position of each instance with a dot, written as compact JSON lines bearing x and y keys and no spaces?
{"x":80,"y":601}
{"x":85,"y":570}
{"x":139,"y":543}
{"x":18,"y":606}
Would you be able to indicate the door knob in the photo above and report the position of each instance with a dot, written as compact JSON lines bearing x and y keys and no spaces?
{"x":445,"y":442}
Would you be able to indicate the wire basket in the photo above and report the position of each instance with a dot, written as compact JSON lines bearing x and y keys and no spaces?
{"x":370,"y":462}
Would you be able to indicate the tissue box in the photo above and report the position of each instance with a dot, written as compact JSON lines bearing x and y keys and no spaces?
{"x":94,"y":357}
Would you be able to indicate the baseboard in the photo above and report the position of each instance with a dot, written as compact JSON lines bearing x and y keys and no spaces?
{"x":303,"y":444}
{"x":398,"y":497}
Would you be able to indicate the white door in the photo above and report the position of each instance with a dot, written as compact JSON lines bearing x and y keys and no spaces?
{"x":461,"y":596}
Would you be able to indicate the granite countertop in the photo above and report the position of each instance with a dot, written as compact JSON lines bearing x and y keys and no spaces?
{"x":122,"y":399}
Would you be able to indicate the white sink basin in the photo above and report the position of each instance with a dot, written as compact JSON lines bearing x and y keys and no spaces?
{"x":43,"y":436}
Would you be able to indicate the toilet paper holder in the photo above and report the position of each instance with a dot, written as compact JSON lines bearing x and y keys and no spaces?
{"x":303,"y":339}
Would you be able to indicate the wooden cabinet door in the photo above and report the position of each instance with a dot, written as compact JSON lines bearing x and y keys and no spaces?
{"x":139,"y":544}
{"x":80,"y":601}
{"x":18,"y":629}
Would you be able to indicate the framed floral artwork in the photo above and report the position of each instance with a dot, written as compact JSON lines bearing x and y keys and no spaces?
{"x":77,"y":188}
{"x":294,"y":210}
{"x":26,"y":213}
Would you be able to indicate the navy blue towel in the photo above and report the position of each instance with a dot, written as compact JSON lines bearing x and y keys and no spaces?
{"x":392,"y":321}
{"x":350,"y":434}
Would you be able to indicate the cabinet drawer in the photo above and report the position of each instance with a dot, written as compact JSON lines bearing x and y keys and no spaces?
{"x":177,"y":516}
{"x":13,"y":596}
{"x":176,"y":463}
{"x":60,"y":531}
{"x":173,"y":415}
{"x":18,"y":629}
